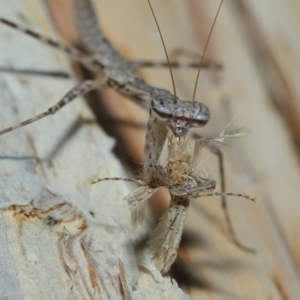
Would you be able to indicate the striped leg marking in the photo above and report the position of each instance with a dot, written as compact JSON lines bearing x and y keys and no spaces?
{"x":176,"y":64}
{"x":73,"y":52}
{"x":75,"y":92}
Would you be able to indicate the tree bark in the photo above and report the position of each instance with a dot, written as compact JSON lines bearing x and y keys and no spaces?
{"x":61,"y":237}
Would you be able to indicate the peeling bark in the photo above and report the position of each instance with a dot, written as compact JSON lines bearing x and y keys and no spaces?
{"x":61,"y":237}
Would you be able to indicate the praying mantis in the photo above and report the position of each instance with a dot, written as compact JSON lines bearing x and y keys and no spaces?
{"x":167,"y":113}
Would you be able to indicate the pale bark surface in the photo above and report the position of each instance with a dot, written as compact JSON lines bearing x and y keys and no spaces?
{"x":258,"y":43}
{"x":61,"y":237}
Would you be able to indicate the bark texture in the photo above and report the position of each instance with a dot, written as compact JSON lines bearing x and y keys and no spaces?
{"x":61,"y":237}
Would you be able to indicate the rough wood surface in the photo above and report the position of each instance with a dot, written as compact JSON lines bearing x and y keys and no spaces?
{"x":258,"y":43}
{"x":61,"y":237}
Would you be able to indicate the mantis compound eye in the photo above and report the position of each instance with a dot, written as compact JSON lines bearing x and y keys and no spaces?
{"x":202,"y":117}
{"x":160,"y":108}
